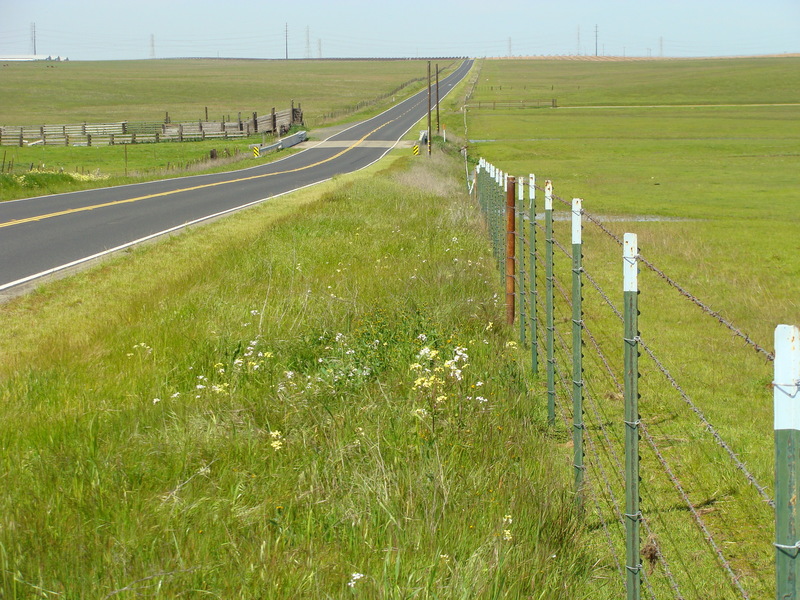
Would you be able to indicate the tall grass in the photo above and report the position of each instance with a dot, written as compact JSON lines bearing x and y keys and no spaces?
{"x":312,"y":399}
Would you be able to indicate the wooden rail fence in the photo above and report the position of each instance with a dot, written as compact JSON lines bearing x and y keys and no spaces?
{"x":136,"y":132}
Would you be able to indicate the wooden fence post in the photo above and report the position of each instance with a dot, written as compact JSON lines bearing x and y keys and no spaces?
{"x":786,"y":397}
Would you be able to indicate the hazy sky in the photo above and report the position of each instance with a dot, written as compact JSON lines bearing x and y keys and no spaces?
{"x":124,"y":29}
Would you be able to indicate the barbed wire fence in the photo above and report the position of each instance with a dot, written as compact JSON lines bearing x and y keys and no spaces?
{"x":707,"y":515}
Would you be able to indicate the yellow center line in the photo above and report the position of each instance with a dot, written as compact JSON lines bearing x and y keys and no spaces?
{"x":188,"y":189}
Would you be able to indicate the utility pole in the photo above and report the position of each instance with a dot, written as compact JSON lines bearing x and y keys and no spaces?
{"x":308,"y":42}
{"x":319,"y":48}
{"x":153,"y":48}
{"x":429,"y":108}
{"x":33,"y":37}
{"x":286,"y":37}
{"x":595,"y":40}
{"x":437,"y":98}
{"x":661,"y":47}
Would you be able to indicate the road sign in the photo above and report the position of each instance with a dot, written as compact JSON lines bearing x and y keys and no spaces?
{"x":256,"y":152}
{"x":416,"y":149}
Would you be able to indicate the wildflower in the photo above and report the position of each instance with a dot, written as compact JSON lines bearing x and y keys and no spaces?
{"x":481,"y":399}
{"x":353,"y":578}
{"x":156,"y":400}
{"x":507,"y":536}
{"x":420,"y":413}
{"x":175,"y":395}
{"x":507,"y":520}
{"x":422,"y":337}
{"x":277,"y":440}
{"x":511,"y":344}
{"x":488,"y":327}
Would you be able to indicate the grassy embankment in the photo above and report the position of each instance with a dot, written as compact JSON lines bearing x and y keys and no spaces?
{"x":112,"y":91}
{"x":314,"y":398}
{"x":688,"y":141}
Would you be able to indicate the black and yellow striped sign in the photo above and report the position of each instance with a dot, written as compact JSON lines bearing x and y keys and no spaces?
{"x":416,"y":149}
{"x":256,"y":151}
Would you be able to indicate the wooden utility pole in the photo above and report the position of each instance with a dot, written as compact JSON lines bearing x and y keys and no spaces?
{"x":429,"y":108}
{"x":437,"y":97}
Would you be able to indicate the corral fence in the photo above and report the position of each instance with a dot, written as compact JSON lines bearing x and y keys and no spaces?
{"x":139,"y":132}
{"x":666,"y":537}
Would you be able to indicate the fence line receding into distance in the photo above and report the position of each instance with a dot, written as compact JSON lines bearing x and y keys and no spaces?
{"x":705,"y":513}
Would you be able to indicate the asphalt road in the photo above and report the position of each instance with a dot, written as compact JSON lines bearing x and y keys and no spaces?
{"x":48,"y":235}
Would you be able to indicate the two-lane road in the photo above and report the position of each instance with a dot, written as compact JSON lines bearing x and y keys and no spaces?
{"x":48,"y":234}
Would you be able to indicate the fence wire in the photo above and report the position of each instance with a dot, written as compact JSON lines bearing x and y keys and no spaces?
{"x":603,"y":450}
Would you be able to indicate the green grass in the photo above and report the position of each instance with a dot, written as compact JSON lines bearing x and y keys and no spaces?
{"x":110,"y":91}
{"x":263,"y":420}
{"x":726,"y":176}
{"x":53,"y":169}
{"x":75,"y":92}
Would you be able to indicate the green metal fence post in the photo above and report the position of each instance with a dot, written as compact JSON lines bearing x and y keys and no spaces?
{"x":551,"y":329}
{"x":786,"y":395}
{"x":633,"y":515}
{"x":532,"y":261}
{"x":521,"y":260}
{"x":577,"y":344}
{"x":510,"y":187}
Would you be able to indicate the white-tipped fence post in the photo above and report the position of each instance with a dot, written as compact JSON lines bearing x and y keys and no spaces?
{"x":521,"y":215}
{"x":532,"y":261}
{"x":633,"y":515}
{"x":550,"y":318}
{"x":786,"y":394}
{"x":577,"y":344}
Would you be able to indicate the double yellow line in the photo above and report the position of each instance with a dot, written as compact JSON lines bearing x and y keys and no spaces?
{"x":187,"y":189}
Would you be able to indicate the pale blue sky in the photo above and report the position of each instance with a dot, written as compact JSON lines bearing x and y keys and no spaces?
{"x":117,"y":29}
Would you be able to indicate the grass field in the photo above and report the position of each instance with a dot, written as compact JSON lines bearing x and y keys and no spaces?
{"x":95,"y":92}
{"x":712,"y":150}
{"x":315,"y":398}
{"x":265,"y":419}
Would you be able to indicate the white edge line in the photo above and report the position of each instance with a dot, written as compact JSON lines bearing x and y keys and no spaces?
{"x":85,"y":259}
